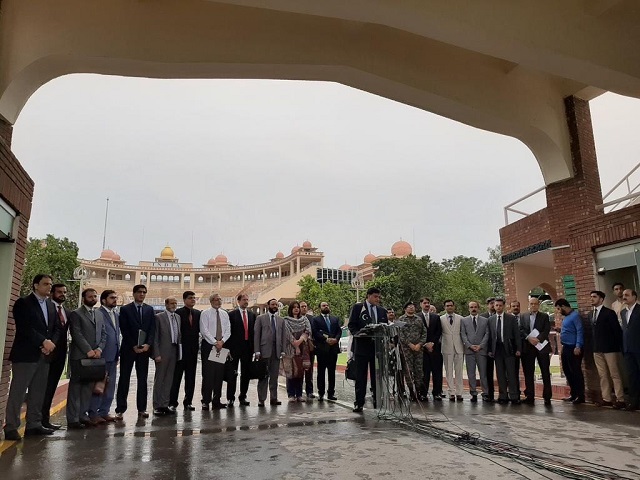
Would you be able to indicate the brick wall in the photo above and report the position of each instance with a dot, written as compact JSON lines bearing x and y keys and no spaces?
{"x":16,"y":188}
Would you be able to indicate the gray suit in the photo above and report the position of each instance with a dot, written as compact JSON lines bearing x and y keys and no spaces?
{"x":87,"y":333}
{"x":169,"y":353}
{"x":271,"y":349}
{"x":476,"y":336}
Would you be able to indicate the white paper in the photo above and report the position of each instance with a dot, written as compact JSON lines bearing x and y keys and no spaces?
{"x":219,"y":356}
{"x":534,"y":333}
{"x":540,"y":346}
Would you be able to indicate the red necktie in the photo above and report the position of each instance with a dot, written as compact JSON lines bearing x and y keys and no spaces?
{"x":60,"y":315}
{"x":246,"y":325}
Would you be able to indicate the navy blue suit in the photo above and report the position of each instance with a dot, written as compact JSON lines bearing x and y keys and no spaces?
{"x":631,"y":348}
{"x":130,"y":324}
{"x":327,"y":354}
{"x":364,"y":349}
{"x":101,"y":404}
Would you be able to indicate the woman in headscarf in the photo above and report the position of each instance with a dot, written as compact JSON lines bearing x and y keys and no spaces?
{"x":412,"y":336}
{"x":296,"y":351}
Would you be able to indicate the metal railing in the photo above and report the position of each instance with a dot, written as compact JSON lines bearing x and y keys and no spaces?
{"x":509,"y":208}
{"x":631,"y":197}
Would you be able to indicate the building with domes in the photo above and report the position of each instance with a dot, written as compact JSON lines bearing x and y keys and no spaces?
{"x":167,"y":276}
{"x":366,"y":270}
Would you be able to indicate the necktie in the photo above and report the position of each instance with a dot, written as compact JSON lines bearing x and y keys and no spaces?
{"x":450,"y":319}
{"x":218,"y":326}
{"x":475,"y":324}
{"x":113,"y":318}
{"x":426,"y":318}
{"x":61,"y":315}
{"x":174,"y":329}
{"x":326,"y":319}
{"x":499,"y":329}
{"x":140,"y":313}
{"x":595,"y":315}
{"x":246,"y":324}
{"x":190,"y":319}
{"x":372,"y":314}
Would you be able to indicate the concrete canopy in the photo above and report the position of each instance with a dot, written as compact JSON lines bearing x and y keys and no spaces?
{"x":503,"y":67}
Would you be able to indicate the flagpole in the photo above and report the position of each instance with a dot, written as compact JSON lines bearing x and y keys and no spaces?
{"x":104,"y":235}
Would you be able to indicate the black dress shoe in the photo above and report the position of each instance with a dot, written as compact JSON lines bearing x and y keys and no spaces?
{"x":275,"y":402}
{"x":244,"y":403}
{"x":310,"y":395}
{"x":321,"y":398}
{"x":529,"y":401}
{"x":75,"y":426}
{"x":578,"y":401}
{"x":459,"y":398}
{"x":51,"y":426}
{"x":189,"y":408}
{"x":452,"y":398}
{"x":159,"y":412}
{"x":218,"y":406}
{"x":172,"y":410}
{"x":358,"y":409}
{"x":502,"y":401}
{"x":205,"y":407}
{"x":261,"y":404}
{"x":437,"y":398}
{"x":547,"y":402}
{"x":568,"y":399}
{"x":12,"y":435}
{"x":332,"y":398}
{"x":37,"y":431}
{"x":230,"y":404}
{"x":517,"y":401}
{"x":474,"y":398}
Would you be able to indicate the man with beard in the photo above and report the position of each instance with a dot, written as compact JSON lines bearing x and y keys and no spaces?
{"x":268,"y":344}
{"x":308,"y":374}
{"x":432,"y":356}
{"x":243,"y":323}
{"x":326,"y":335}
{"x":490,"y":360}
{"x":190,"y":336}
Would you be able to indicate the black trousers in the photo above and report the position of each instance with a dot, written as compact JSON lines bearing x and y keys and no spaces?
{"x":127,"y":361}
{"x":212,"y":377}
{"x":186,"y":366}
{"x":327,"y":363}
{"x":244,"y":361}
{"x":365,"y":364}
{"x":632,"y":364}
{"x":56,"y":367}
{"x":308,"y":375}
{"x":529,"y":356}
{"x":572,"y":366}
{"x":506,"y":373}
{"x":432,"y":365}
{"x":490,"y":378}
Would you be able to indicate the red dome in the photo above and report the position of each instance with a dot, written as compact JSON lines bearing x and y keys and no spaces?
{"x":116,"y":257}
{"x":401,"y":249}
{"x":107,"y":254}
{"x":211,"y":261}
{"x":295,"y":249}
{"x":306,"y":244}
{"x":370,"y":258}
{"x":279,"y":255}
{"x":221,"y":260}
{"x":346,"y":266}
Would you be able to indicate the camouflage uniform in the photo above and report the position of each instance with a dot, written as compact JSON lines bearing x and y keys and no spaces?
{"x":413,"y":332}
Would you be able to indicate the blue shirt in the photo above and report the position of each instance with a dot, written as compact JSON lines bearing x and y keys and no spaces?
{"x":43,"y":307}
{"x":571,"y":332}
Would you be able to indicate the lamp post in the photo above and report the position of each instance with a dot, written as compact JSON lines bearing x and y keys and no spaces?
{"x":80,"y":274}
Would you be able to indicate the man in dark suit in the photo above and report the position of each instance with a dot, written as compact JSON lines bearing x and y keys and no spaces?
{"x":631,"y":341}
{"x":268,"y":345}
{"x":607,"y":351}
{"x":240,"y":344}
{"x":308,"y":374}
{"x":504,"y":348}
{"x":535,"y":320}
{"x":432,"y":356}
{"x":490,"y":362}
{"x":190,"y":335}
{"x":365,"y":313}
{"x":138,"y":325}
{"x":35,"y":339}
{"x":326,"y":336}
{"x":58,"y":357}
{"x":88,"y":339}
{"x":101,"y":404}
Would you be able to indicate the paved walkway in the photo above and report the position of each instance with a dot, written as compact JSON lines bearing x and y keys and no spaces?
{"x":324,"y":440}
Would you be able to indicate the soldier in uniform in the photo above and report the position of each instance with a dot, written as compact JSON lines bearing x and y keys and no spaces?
{"x":412,"y":337}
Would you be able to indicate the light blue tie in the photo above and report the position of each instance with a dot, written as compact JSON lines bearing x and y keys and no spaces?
{"x":326,"y":319}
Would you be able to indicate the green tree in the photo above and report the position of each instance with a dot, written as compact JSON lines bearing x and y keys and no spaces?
{"x":463,"y":282}
{"x":408,"y":278}
{"x":493,"y":272}
{"x":340,"y":296}
{"x":57,"y":257}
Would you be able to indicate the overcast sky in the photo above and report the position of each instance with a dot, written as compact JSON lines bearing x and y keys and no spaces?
{"x":253,"y":167}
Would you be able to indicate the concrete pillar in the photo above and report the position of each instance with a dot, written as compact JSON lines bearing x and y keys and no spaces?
{"x":298,"y":265}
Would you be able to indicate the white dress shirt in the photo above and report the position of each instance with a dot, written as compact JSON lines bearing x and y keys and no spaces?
{"x":208,"y":325}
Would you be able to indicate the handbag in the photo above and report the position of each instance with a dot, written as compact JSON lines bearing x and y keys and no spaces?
{"x":350,"y":371}
{"x":230,"y":371}
{"x":101,"y":386}
{"x":92,"y":369}
{"x":258,"y":369}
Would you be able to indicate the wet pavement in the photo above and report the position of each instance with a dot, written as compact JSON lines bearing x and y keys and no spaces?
{"x":325,"y":440}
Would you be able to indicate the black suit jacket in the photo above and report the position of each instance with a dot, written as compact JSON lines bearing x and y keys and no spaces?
{"x":190,"y":335}
{"x":130,"y":324}
{"x":236,"y":343}
{"x":62,"y":342}
{"x":542,"y":324}
{"x":631,"y":329}
{"x":607,"y":332}
{"x":510,"y":331}
{"x":434,"y":331}
{"x":319,"y":330}
{"x":357,"y":320}
{"x":32,"y":329}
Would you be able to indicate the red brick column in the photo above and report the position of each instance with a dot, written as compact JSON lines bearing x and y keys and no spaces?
{"x":16,"y":188}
